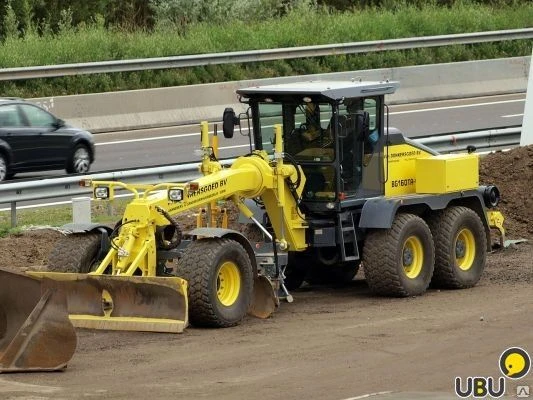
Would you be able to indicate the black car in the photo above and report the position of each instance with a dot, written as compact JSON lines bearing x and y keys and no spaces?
{"x":32,"y":139}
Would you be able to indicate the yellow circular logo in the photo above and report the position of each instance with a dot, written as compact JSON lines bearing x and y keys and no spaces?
{"x":515,"y":363}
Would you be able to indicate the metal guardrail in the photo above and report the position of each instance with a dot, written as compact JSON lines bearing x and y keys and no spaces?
{"x":48,"y":71}
{"x":69,"y":186}
{"x":483,"y":140}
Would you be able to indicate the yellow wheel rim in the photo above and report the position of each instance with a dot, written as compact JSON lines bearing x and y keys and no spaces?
{"x":465,"y":249}
{"x":228,"y":283}
{"x":412,"y":257}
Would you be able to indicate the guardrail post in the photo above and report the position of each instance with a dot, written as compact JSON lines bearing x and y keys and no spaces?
{"x":81,"y":210}
{"x":13,"y":214}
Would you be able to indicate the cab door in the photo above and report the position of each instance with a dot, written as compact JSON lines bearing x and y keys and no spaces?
{"x":51,"y":143}
{"x":14,"y":133}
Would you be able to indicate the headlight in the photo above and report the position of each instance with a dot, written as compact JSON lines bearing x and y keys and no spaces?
{"x":101,"y":192}
{"x":85,"y":183}
{"x":175,"y":194}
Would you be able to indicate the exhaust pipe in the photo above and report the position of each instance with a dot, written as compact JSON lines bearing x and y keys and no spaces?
{"x":35,"y":331}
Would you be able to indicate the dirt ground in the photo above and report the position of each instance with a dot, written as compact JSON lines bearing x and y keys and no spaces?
{"x":331,"y":343}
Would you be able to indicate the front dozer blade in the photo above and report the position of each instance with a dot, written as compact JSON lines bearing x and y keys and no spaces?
{"x":35,"y":331}
{"x":125,"y":303}
{"x":264,"y":298}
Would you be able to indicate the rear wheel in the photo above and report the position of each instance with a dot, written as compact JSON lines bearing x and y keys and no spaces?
{"x":80,"y":161}
{"x":3,"y":168}
{"x":220,"y":276}
{"x":399,"y":261}
{"x":76,"y":252}
{"x":460,"y":248}
{"x":326,"y":267}
{"x":332,"y":274}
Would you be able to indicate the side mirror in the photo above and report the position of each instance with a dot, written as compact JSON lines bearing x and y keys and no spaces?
{"x":59,"y":123}
{"x":362,"y":124}
{"x":229,"y":120}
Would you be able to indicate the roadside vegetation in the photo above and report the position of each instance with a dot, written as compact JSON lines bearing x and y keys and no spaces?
{"x":101,"y":212}
{"x":41,"y":32}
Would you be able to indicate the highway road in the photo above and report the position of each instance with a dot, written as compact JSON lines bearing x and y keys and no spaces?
{"x":163,"y":146}
{"x":176,"y":145}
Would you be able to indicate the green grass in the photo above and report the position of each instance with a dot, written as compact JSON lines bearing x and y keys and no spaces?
{"x":298,"y":28}
{"x":56,"y":216}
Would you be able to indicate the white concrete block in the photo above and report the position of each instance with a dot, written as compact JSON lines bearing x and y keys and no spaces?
{"x":81,"y":210}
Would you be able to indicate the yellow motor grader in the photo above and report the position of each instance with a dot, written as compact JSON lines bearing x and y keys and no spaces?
{"x":326,"y":188}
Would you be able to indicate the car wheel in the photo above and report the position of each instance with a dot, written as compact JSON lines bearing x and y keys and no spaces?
{"x":3,"y":168}
{"x":80,"y":161}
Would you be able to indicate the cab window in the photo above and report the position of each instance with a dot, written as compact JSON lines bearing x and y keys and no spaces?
{"x":308,"y":137}
{"x":270,"y":114}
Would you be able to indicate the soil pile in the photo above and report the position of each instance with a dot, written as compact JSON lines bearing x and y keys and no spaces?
{"x":28,"y":250}
{"x":512,"y":173}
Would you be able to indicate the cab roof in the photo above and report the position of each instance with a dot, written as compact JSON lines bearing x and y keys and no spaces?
{"x":334,"y":90}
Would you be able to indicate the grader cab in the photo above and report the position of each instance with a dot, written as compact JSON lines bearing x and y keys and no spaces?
{"x":327,"y":187}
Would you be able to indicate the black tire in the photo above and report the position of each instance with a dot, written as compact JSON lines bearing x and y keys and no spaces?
{"x":201,"y":265}
{"x":326,"y":268}
{"x":341,"y":274}
{"x":399,"y":261}
{"x":4,"y":174}
{"x":460,"y":248}
{"x":76,"y":252}
{"x":295,"y":271}
{"x":80,"y":160}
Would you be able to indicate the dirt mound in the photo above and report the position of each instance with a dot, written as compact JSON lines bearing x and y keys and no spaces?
{"x":27,"y":250}
{"x":512,"y":172}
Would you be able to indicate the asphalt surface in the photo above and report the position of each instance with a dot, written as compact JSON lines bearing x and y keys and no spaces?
{"x":165,"y":146}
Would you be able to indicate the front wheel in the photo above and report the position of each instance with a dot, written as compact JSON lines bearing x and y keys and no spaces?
{"x":80,"y":161}
{"x":76,"y":252}
{"x":220,"y":276}
{"x":399,"y":261}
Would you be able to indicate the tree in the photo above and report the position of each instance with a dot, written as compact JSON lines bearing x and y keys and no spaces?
{"x":3,"y":13}
{"x":22,"y":10}
{"x":130,"y":14}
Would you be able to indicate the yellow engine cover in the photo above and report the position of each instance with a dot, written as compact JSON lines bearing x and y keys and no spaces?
{"x":447,"y":173}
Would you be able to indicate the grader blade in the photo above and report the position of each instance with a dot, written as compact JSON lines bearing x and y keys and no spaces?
{"x":264,"y":298}
{"x":111,"y":302}
{"x":35,"y":331}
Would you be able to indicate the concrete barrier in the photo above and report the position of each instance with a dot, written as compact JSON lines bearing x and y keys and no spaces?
{"x":137,"y":109}
{"x":527,"y":125}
